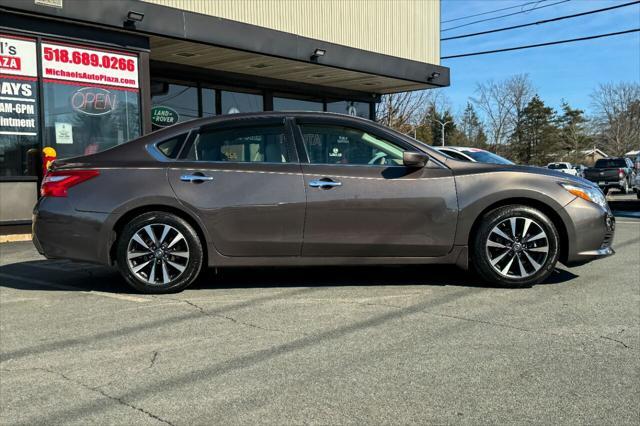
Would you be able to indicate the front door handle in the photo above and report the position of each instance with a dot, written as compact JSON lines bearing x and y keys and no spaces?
{"x":324,"y":183}
{"x":195,"y":178}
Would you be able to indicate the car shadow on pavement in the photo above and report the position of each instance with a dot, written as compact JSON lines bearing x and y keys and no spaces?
{"x":71,"y":276}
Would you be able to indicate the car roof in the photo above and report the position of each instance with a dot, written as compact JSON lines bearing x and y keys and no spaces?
{"x":267,"y":114}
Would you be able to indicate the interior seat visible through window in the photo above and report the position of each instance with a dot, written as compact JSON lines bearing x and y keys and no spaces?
{"x":253,"y":144}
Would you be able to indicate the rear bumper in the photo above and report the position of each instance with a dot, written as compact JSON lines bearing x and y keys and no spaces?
{"x":617,"y":184}
{"x":59,"y":231}
{"x":592,"y":232}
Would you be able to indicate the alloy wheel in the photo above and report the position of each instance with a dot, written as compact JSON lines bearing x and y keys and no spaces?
{"x":157,"y":254}
{"x":517,"y":247}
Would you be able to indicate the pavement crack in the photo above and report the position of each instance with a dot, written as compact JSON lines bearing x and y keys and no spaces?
{"x":225,"y":317}
{"x":154,"y":357}
{"x":617,"y":341}
{"x":120,"y":401}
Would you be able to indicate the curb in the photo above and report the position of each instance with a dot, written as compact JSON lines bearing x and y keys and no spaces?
{"x":14,"y":238}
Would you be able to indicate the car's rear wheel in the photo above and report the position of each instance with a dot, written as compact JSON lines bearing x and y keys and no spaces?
{"x":515,"y":246}
{"x":625,"y":187}
{"x":159,"y":252}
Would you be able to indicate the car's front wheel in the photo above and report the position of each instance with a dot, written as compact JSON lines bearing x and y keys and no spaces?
{"x":515,"y":246}
{"x":159,"y":252}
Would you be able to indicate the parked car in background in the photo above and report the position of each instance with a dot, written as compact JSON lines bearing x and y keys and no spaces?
{"x":295,"y":189}
{"x":636,"y":186}
{"x":608,"y":173}
{"x":474,"y":155}
{"x":563,"y":167}
{"x":580,"y":168}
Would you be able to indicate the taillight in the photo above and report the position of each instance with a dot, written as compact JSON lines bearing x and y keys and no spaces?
{"x":620,"y":173}
{"x":57,"y":183}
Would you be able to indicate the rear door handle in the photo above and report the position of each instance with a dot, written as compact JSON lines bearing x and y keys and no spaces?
{"x":195,"y":178}
{"x":324,"y":183}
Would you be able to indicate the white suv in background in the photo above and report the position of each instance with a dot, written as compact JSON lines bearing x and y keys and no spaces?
{"x":563,"y":167}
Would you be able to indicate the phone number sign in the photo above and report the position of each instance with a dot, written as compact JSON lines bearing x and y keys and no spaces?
{"x":80,"y":64}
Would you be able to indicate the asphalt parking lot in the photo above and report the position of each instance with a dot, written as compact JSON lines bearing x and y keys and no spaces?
{"x":323,"y":345}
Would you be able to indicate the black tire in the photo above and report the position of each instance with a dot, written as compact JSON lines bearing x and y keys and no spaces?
{"x":482,"y":255}
{"x":175,"y":279}
{"x":625,"y":188}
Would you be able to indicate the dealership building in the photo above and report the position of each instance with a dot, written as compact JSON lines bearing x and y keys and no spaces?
{"x":80,"y":76}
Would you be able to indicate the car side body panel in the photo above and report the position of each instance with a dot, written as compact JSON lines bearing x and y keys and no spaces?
{"x":248,"y":209}
{"x":380,"y":211}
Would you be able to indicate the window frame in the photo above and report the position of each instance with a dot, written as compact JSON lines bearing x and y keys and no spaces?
{"x":243,"y":124}
{"x":321,"y":121}
{"x":452,"y":153}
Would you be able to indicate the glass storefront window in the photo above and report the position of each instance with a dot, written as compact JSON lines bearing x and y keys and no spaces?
{"x":358,"y":109}
{"x":82,"y":120}
{"x":181,"y":100}
{"x":235,"y":102}
{"x":19,"y":107}
{"x":208,"y":102}
{"x":288,"y":104}
{"x":19,"y":146}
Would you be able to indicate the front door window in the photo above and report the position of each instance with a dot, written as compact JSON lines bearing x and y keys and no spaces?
{"x":345,"y":145}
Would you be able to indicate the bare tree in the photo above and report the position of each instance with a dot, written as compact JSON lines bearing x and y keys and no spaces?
{"x":411,"y":112}
{"x":400,"y":111}
{"x":495,"y":103}
{"x":617,"y":116}
{"x":502,"y":104}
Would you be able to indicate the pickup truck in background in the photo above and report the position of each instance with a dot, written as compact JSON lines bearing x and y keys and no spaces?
{"x":610,"y":173}
{"x":563,"y":167}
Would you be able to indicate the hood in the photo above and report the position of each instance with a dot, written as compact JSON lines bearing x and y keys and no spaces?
{"x":463,"y":167}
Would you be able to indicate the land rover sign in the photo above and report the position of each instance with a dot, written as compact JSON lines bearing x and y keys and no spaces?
{"x":162,"y":116}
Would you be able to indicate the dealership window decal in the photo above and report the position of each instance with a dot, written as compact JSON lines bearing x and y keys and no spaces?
{"x":90,"y":98}
{"x":18,"y":106}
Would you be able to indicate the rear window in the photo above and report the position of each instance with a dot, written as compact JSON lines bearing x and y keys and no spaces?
{"x":610,"y":163}
{"x":557,"y":166}
{"x":171,"y":147}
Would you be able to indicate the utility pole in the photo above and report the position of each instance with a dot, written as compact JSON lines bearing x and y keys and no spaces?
{"x":443,"y":126}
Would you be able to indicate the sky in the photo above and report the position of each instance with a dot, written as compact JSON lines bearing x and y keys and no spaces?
{"x":563,"y":72}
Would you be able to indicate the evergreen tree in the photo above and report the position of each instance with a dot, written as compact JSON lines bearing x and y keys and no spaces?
{"x":536,"y":140}
{"x":471,"y":129}
{"x":573,"y":135}
{"x":430,"y":130}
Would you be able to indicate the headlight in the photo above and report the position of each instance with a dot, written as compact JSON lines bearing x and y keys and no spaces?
{"x":587,"y":193}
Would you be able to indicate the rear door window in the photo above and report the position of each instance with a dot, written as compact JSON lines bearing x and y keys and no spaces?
{"x":256,"y":144}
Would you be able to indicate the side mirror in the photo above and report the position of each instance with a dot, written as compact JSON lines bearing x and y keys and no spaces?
{"x":414,"y":159}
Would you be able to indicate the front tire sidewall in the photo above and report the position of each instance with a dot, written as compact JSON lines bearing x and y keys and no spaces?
{"x":192,"y":269}
{"x":480,"y":259}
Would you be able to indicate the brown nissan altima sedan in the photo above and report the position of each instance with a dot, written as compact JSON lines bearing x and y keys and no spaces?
{"x":310,"y":189}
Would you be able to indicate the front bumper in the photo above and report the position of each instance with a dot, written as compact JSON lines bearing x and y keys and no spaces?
{"x":590,"y":236}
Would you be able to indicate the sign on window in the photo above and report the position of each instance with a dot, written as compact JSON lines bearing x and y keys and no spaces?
{"x":18,"y":88}
{"x":83,"y":65}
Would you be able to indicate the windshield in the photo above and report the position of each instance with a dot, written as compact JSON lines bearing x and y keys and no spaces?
{"x":556,"y":166}
{"x":487,"y":157}
{"x":605,"y":163}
